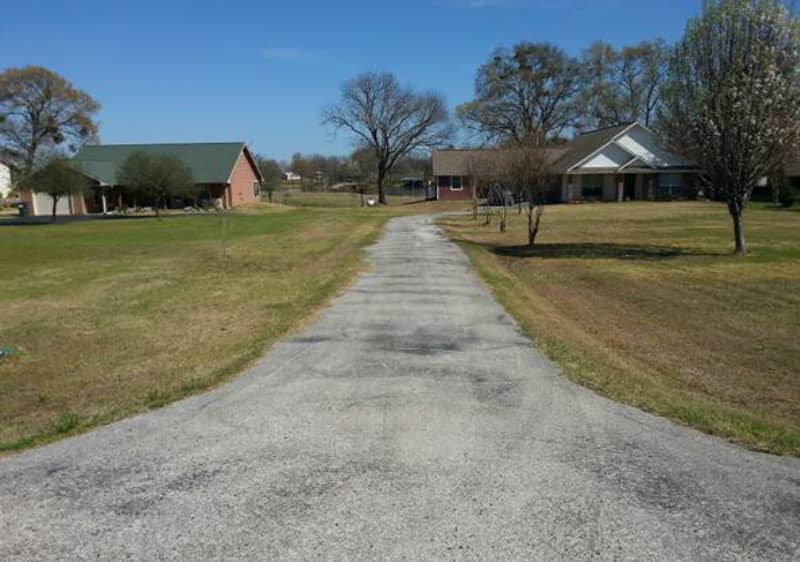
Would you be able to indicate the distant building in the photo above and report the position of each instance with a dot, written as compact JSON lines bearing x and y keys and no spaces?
{"x":291,"y":176}
{"x":225,"y":174}
{"x":614,"y":164}
{"x":5,"y":180}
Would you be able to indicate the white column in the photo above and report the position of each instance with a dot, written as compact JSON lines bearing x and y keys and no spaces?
{"x":103,"y":199}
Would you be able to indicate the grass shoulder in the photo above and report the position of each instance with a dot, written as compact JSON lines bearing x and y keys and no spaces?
{"x":111,"y":318}
{"x":644,"y":303}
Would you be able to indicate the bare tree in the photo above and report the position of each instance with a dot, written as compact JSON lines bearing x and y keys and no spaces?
{"x":733,"y":98}
{"x":483,"y":172}
{"x":528,"y":168}
{"x":392,"y":120}
{"x":529,"y":89}
{"x":40,"y":109}
{"x":624,"y":85}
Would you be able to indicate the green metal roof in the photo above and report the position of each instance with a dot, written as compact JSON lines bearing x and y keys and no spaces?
{"x":210,"y":162}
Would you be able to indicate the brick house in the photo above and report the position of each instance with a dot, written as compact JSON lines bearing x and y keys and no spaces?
{"x":614,"y":164}
{"x":225,"y":173}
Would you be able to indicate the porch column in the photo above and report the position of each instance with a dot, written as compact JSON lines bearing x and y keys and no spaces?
{"x":104,"y":201}
{"x":565,"y":191}
{"x":620,"y":188}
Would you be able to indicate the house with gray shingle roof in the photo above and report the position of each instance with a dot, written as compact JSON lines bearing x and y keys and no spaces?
{"x":225,"y":174}
{"x":613,"y":164}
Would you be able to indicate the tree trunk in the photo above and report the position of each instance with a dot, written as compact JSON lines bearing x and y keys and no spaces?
{"x":381,"y":177}
{"x":55,"y":205}
{"x":534,"y":219}
{"x":30,"y":158}
{"x":158,"y":207}
{"x":737,"y":213}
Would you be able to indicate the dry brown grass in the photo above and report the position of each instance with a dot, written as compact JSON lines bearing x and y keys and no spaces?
{"x":645,"y":303}
{"x":111,"y":318}
{"x":114,"y":317}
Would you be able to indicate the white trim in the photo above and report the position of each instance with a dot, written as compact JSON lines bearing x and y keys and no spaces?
{"x":613,"y":139}
{"x":634,"y":159}
{"x":235,"y":165}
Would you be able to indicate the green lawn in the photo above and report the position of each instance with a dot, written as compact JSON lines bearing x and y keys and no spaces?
{"x":110,"y":318}
{"x":114,"y":317}
{"x":645,"y":303}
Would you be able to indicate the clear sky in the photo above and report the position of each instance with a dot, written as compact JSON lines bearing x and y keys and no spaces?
{"x":262,"y":72}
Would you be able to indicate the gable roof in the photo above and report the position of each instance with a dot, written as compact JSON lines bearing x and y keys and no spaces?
{"x":583,"y":146}
{"x":635,"y":146}
{"x":210,"y":162}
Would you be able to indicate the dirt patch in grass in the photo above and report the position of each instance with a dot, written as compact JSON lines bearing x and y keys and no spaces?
{"x":645,"y":303}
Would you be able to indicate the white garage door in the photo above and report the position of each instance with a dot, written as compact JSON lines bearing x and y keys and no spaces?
{"x":43,"y":205}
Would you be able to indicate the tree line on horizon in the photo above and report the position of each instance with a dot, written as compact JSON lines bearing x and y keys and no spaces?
{"x":727,"y":95}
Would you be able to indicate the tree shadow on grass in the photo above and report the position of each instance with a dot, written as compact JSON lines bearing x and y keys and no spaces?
{"x":645,"y":252}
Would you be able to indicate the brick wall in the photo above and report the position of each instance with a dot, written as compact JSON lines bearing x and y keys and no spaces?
{"x":241,"y":190}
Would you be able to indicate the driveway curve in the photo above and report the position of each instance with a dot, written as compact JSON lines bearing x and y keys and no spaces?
{"x":413,"y":421}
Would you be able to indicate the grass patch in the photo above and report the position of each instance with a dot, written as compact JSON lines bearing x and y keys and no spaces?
{"x":112,"y":318}
{"x":645,"y":303}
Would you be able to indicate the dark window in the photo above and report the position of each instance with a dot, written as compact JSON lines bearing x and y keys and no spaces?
{"x":453,"y":183}
{"x":592,"y":186}
{"x":669,"y":186}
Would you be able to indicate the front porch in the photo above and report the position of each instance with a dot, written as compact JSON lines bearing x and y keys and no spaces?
{"x":630,"y":185}
{"x":105,"y":199}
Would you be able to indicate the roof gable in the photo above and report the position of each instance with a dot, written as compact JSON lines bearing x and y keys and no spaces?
{"x":610,"y":156}
{"x":209,"y":162}
{"x":585,"y":145}
{"x":634,"y":140}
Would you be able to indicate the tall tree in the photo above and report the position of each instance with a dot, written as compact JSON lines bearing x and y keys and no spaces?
{"x":600,"y":99}
{"x":59,"y":179}
{"x":527,"y":90}
{"x":624,"y":85}
{"x":156,"y":176}
{"x":392,"y":120}
{"x":732,"y":102}
{"x":40,"y":109}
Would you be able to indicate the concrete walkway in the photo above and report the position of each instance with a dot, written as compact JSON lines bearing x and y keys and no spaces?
{"x":412,"y":422}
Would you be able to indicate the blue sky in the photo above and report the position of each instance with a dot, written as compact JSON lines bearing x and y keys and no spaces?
{"x":262,"y":72}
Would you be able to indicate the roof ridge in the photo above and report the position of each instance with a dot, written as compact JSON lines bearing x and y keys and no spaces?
{"x":161,"y":143}
{"x":600,"y":129}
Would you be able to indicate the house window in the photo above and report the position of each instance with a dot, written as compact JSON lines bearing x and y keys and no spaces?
{"x":592,"y":186}
{"x":669,"y":186}
{"x":256,"y":188}
{"x":453,"y":183}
